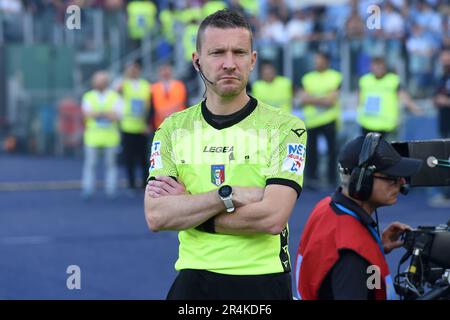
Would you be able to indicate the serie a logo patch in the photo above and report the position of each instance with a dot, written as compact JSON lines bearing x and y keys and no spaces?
{"x":295,"y":158}
{"x":155,"y":158}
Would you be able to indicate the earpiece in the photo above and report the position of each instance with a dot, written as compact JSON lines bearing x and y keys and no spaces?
{"x":202,"y":75}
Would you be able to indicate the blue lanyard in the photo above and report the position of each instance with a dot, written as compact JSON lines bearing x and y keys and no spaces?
{"x":371,"y":229}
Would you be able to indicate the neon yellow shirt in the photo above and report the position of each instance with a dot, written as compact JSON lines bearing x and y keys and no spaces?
{"x":265,"y":145}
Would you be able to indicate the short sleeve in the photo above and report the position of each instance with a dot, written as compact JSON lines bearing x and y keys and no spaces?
{"x":288,"y":156}
{"x":162,"y":160}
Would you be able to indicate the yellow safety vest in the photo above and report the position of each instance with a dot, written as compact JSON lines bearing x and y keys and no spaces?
{"x":320,"y":84}
{"x":212,"y":6}
{"x":251,"y":6}
{"x":101,"y":132}
{"x":136,"y":105}
{"x":187,"y":15}
{"x":379,"y":109}
{"x":277,"y":93}
{"x":189,"y":40}
{"x":141,"y":18}
{"x":167,"y":19}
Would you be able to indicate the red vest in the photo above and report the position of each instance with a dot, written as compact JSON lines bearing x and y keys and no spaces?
{"x":325,"y":234}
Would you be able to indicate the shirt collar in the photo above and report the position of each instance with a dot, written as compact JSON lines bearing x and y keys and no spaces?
{"x":340,"y":198}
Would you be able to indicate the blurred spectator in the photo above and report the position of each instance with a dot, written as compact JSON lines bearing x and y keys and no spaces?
{"x":320,"y":100}
{"x":70,"y":126}
{"x":168,"y":95}
{"x":421,"y":50}
{"x":299,"y":27}
{"x":11,"y":11}
{"x":378,"y":101}
{"x":273,"y":30}
{"x":441,"y":101}
{"x":136,"y":99}
{"x":102,"y":109}
{"x":141,"y":21}
{"x":273,"y":89}
{"x":393,"y":25}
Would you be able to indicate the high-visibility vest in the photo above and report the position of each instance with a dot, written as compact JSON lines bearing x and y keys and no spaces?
{"x":167,"y":19}
{"x":167,"y":100}
{"x":379,"y":109}
{"x":189,"y":40}
{"x":136,"y":104}
{"x":212,"y":6}
{"x":188,"y":15}
{"x":320,"y":84}
{"x":250,"y":6}
{"x":277,"y":93}
{"x":101,"y":132}
{"x":141,"y":18}
{"x":324,"y":235}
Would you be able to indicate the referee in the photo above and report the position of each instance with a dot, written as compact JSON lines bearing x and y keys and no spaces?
{"x":226,"y":174}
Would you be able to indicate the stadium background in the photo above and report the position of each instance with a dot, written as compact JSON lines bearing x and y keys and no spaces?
{"x":45,"y":67}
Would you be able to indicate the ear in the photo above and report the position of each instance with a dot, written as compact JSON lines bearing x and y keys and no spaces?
{"x":195,"y":61}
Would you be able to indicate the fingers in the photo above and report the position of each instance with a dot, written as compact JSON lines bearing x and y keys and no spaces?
{"x":162,"y":185}
{"x":170,"y":181}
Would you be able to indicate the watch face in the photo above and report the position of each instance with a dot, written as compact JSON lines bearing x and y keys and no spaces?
{"x":225,"y":191}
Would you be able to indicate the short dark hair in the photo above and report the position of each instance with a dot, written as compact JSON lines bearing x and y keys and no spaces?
{"x":378,"y":60}
{"x":223,"y":19}
{"x":324,"y":55}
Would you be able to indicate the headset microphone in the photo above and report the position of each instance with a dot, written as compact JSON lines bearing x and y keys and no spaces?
{"x":404,"y":189}
{"x":202,"y":75}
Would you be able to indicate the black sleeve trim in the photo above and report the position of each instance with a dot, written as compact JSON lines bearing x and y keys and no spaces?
{"x":286,"y":182}
{"x":153,"y":178}
{"x":208,"y":226}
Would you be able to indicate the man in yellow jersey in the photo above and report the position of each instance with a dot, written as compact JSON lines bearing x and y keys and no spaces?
{"x":134,"y":123}
{"x":378,"y":101}
{"x":102,"y":109}
{"x":226,"y":174}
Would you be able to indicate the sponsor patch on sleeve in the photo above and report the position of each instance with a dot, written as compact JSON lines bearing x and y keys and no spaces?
{"x":295,"y":158}
{"x":155,"y":158}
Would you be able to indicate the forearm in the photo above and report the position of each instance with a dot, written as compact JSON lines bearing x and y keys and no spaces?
{"x":180,"y":212}
{"x":249,"y":219}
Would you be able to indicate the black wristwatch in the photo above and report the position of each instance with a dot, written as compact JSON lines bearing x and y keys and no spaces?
{"x":226,"y":194}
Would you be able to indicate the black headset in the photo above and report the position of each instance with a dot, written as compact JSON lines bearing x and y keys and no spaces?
{"x":361,"y":179}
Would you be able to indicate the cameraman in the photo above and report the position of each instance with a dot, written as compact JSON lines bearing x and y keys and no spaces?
{"x":341,"y":240}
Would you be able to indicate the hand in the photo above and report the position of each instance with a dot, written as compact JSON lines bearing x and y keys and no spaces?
{"x":442,"y":101}
{"x":164,"y":186}
{"x":391,"y":236}
{"x":246,"y":195}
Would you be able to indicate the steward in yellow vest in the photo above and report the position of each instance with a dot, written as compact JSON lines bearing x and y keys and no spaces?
{"x":102,"y":109}
{"x":101,"y":114}
{"x":378,"y":102}
{"x":273,"y":89}
{"x":320,"y":101}
{"x":136,"y":94}
{"x":141,"y":18}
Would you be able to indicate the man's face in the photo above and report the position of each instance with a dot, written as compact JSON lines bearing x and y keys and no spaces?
{"x":378,"y":69}
{"x":385,"y":189}
{"x":133,"y":71}
{"x":320,"y":63}
{"x":165,"y":72}
{"x":268,"y":72}
{"x":445,"y":60}
{"x":226,"y":59}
